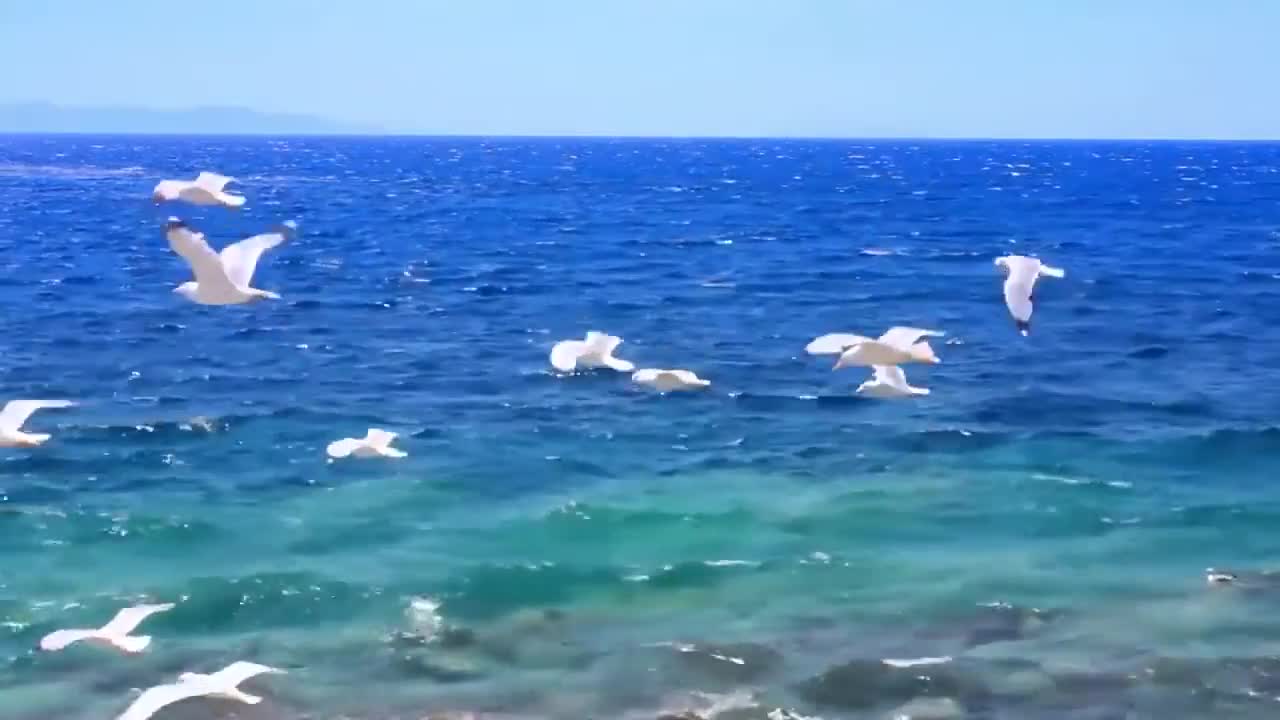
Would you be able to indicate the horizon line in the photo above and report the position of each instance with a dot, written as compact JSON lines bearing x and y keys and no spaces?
{"x":602,"y":136}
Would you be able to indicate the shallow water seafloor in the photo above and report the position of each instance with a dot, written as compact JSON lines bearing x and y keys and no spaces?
{"x":571,"y":547}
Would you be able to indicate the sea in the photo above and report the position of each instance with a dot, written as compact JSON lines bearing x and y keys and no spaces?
{"x":1030,"y":540}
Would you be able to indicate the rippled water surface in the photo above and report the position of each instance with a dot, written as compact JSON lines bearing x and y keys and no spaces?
{"x":572,"y":547}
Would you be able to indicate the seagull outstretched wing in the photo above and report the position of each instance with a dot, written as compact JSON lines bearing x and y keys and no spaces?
{"x":16,"y":412}
{"x":159,"y":697}
{"x":213,"y":182}
{"x":241,"y":259}
{"x":128,"y":619}
{"x":904,"y":337}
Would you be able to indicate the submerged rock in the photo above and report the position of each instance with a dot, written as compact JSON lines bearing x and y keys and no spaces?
{"x":980,"y":625}
{"x":440,"y":668}
{"x":864,"y":684}
{"x":929,"y":709}
{"x":728,"y":663}
{"x":1256,"y":678}
{"x":1002,"y":622}
{"x":1244,"y":579}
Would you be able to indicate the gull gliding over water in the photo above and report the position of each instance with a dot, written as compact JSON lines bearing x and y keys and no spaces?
{"x":896,"y":346}
{"x":15,"y":413}
{"x":669,"y":380}
{"x":115,"y":633}
{"x":596,"y":351}
{"x":222,"y":278}
{"x":1019,"y":286}
{"x":889,"y":382}
{"x":206,"y":189}
{"x":222,"y":684}
{"x":375,"y":443}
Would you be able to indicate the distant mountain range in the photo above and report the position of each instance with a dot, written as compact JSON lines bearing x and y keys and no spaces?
{"x":49,"y":118}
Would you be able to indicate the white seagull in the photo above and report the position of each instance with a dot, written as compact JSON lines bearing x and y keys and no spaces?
{"x":15,"y":413}
{"x":669,"y":380}
{"x":206,"y":189}
{"x":1020,"y":283}
{"x":114,"y":633}
{"x":889,"y":382}
{"x":222,"y":684}
{"x":595,"y":351}
{"x":375,"y":443}
{"x":896,"y":346}
{"x":222,"y":278}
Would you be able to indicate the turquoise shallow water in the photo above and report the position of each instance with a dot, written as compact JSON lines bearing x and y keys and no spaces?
{"x":570,"y":547}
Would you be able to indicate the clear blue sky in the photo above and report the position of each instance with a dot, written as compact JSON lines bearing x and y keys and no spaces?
{"x":923,"y":68}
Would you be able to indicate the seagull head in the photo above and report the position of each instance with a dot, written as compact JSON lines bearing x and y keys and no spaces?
{"x":174,"y":223}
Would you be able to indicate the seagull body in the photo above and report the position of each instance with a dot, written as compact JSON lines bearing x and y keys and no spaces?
{"x":375,"y":443}
{"x":889,"y":382}
{"x":222,"y":278}
{"x":206,"y":189}
{"x":897,"y":346}
{"x":1019,"y":286}
{"x":669,"y":380}
{"x":222,"y":684}
{"x":596,"y":351}
{"x":15,"y":413}
{"x":114,"y":634}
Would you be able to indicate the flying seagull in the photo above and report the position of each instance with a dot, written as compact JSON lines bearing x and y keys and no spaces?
{"x":375,"y":443}
{"x":896,"y":346}
{"x":1020,"y":283}
{"x":595,"y":351}
{"x":222,"y":278}
{"x":669,"y":380}
{"x":222,"y":684}
{"x":114,"y":633}
{"x":206,"y":189}
{"x":889,"y":382}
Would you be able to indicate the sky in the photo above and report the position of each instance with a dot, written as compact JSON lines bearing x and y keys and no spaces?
{"x":759,"y":68}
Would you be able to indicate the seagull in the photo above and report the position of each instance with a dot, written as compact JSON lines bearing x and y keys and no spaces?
{"x":375,"y":443}
{"x":595,"y":351}
{"x":1020,"y":284}
{"x":896,"y":346}
{"x":669,"y":380}
{"x":114,"y":633}
{"x":222,"y":684}
{"x":889,"y":382}
{"x":206,"y":189}
{"x":15,"y":413}
{"x":222,"y":278}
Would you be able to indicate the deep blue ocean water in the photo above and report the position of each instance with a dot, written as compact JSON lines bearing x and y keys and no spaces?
{"x":1044,"y":517}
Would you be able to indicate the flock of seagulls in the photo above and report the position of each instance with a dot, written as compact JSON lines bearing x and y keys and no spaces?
{"x":884,"y":355}
{"x":116,"y":634}
{"x":221,"y":278}
{"x":224,"y":278}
